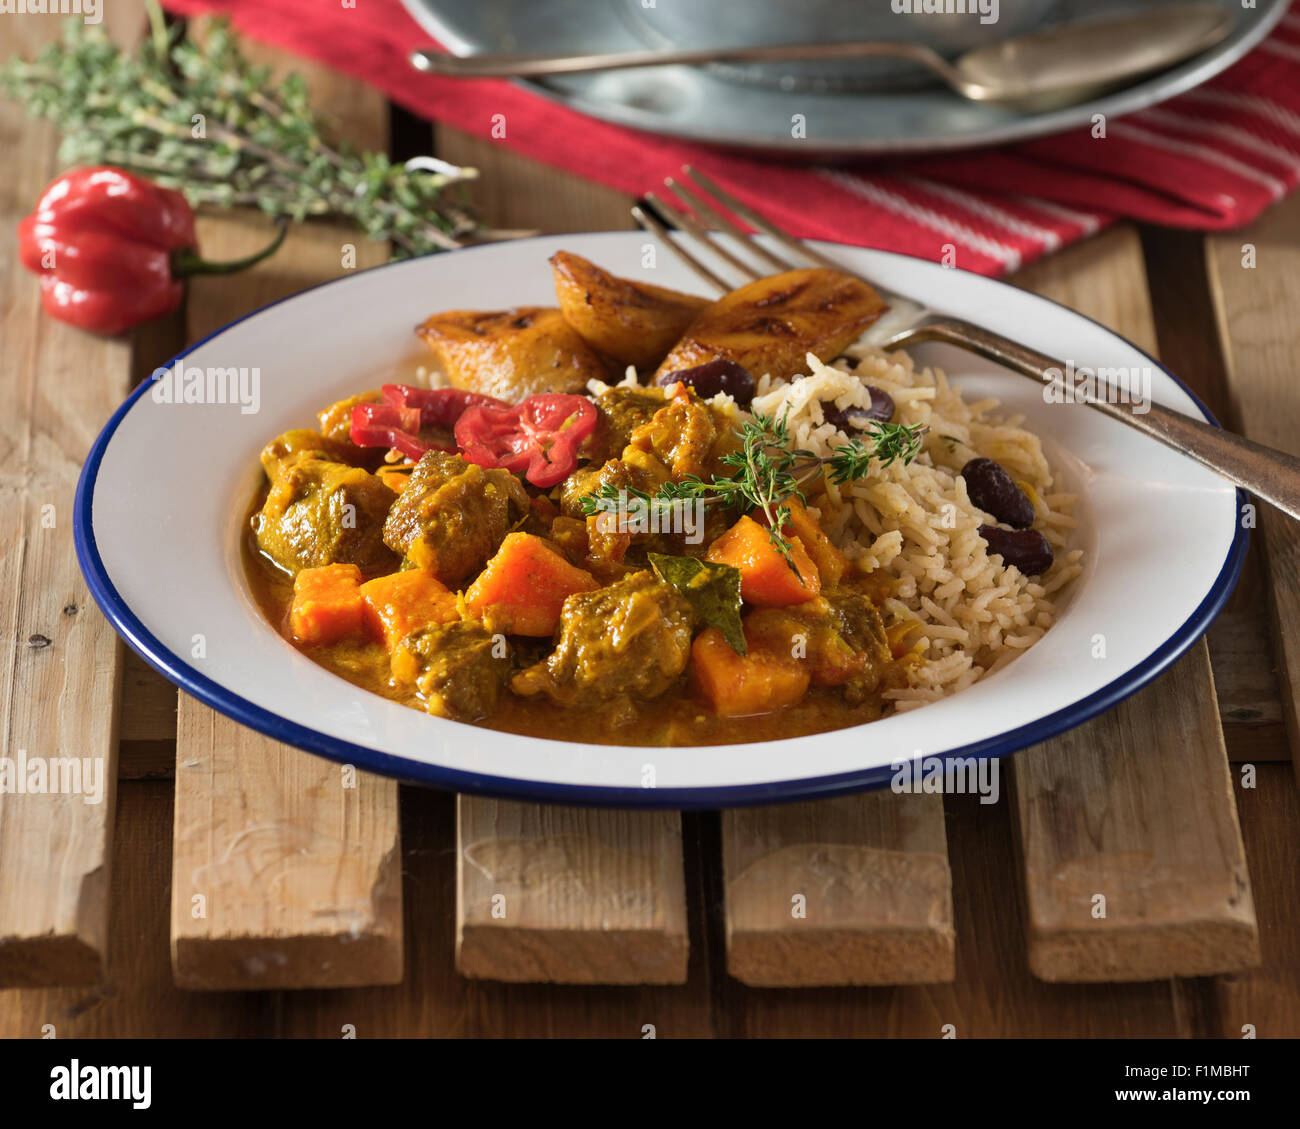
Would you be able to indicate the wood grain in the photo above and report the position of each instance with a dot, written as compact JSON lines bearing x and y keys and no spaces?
{"x":1241,"y":653}
{"x":286,"y":867}
{"x":1256,"y":308}
{"x":992,"y":996}
{"x":137,"y":998}
{"x":60,"y":662}
{"x":1265,"y":1001}
{"x":854,"y":890}
{"x":1135,"y":806}
{"x":569,"y":895}
{"x":515,"y":193}
{"x":993,"y":993}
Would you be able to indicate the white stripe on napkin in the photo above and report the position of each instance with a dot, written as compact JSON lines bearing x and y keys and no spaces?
{"x":923,"y":216}
{"x":1281,"y":47}
{"x":1202,"y":153}
{"x":1232,"y":133}
{"x":1256,"y":104}
{"x":1085,"y":221}
{"x":991,"y":212}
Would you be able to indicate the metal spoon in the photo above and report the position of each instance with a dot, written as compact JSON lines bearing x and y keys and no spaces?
{"x":1042,"y":69}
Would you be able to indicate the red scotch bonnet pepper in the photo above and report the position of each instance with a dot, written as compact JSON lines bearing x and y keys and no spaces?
{"x":113,"y":249}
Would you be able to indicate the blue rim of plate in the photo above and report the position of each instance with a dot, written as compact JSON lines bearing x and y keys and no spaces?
{"x":172,"y":667}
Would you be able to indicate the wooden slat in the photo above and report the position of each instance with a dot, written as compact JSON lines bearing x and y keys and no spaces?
{"x":147,"y":734}
{"x":1136,"y":806}
{"x":298,"y":874}
{"x":569,"y":895}
{"x":1258,"y":313}
{"x":1138,"y":810}
{"x":1241,"y":653}
{"x":1266,"y":1000}
{"x":993,"y":993}
{"x":855,"y":890}
{"x":598,"y":896}
{"x":1250,"y":709}
{"x":62,"y":664}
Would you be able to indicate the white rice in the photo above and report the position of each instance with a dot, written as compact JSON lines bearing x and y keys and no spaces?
{"x":971,"y":614}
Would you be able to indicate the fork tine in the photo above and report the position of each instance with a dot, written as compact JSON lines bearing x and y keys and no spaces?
{"x":690,"y":225}
{"x":752,"y":218}
{"x":716,"y":219}
{"x":650,"y":223}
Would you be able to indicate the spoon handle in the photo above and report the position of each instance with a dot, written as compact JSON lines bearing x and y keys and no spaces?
{"x":1268,"y":474}
{"x":539,"y":66}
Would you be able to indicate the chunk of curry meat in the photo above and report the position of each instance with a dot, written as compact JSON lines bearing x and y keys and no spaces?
{"x":680,"y":435}
{"x":336,"y":420}
{"x":627,"y":642}
{"x":320,"y":510}
{"x":453,"y":515}
{"x":454,"y":668}
{"x":621,"y":410}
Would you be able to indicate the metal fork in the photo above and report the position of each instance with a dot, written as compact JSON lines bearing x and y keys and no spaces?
{"x":1273,"y":476}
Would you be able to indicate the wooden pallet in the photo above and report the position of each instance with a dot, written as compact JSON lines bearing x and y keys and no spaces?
{"x":285,"y":872}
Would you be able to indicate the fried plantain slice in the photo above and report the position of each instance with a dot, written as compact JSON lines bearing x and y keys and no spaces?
{"x":770,"y":325}
{"x":632,"y":322}
{"x":512,"y":354}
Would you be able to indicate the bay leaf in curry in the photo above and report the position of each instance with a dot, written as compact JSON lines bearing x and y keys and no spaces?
{"x":713,"y":590}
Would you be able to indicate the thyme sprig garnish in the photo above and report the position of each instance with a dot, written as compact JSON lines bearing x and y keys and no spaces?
{"x":202,"y":119}
{"x":768,"y":472}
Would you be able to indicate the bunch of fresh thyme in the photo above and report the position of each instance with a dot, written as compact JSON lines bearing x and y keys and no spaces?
{"x":203,"y":120}
{"x":767,"y":472}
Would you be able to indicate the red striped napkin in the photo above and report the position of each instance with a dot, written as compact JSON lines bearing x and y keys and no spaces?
{"x":1213,"y":158}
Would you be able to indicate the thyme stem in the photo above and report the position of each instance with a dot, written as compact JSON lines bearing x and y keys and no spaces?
{"x":202,"y":119}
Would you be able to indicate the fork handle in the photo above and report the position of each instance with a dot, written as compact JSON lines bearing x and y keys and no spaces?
{"x":1271,"y":475}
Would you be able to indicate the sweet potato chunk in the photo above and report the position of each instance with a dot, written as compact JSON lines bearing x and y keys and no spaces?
{"x":764,"y":680}
{"x":523,"y":588}
{"x":512,"y":354}
{"x":831,"y":563}
{"x":766,"y":578}
{"x":327,"y":605}
{"x":770,"y":325}
{"x":403,"y":602}
{"x":632,"y":322}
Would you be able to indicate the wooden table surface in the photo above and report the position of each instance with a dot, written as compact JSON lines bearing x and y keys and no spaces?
{"x":1229,"y":330}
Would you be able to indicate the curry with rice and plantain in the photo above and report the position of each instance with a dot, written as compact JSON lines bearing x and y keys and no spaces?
{"x":642,"y":517}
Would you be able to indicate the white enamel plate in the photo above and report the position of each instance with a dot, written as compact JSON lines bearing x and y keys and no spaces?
{"x":163,"y":496}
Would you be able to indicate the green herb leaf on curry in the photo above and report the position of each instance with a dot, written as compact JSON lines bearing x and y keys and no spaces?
{"x":713,"y":590}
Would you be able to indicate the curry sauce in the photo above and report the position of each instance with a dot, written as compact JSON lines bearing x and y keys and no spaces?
{"x":677,"y":717}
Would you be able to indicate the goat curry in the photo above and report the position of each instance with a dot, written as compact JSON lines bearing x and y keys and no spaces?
{"x":633,"y":567}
